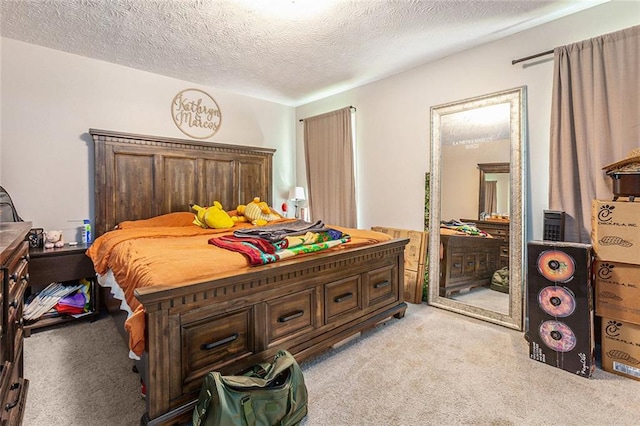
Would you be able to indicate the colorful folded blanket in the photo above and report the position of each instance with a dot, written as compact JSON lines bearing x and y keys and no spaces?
{"x":259,"y":251}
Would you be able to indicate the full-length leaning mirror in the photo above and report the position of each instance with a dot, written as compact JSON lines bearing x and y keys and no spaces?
{"x":476,"y":211}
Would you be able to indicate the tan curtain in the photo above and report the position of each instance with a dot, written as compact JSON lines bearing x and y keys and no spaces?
{"x":328,"y":145}
{"x":595,"y":121}
{"x":491,"y":196}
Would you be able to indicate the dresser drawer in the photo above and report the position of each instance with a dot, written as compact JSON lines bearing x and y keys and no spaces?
{"x":15,"y":324}
{"x":482,"y":264}
{"x":341,"y":298}
{"x":381,"y":286}
{"x":456,"y":268}
{"x":290,"y":315}
{"x":470,"y":263}
{"x":209,"y":343}
{"x":13,"y":394}
{"x":16,"y":265}
{"x":497,"y":231}
{"x":14,"y":404}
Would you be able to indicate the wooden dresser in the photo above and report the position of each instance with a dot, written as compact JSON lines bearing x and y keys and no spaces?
{"x":14,"y":261}
{"x":467,"y":262}
{"x":499,"y":229}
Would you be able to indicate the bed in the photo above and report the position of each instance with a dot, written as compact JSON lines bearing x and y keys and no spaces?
{"x":229,"y":320}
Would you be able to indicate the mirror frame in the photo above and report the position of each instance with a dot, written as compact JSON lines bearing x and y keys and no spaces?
{"x":517,"y":99}
{"x":484,"y":169}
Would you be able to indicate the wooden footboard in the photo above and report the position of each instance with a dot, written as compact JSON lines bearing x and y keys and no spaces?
{"x":232,"y":323}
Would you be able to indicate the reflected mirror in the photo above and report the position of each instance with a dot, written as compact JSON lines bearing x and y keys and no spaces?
{"x":494,"y":186}
{"x":476,"y":207}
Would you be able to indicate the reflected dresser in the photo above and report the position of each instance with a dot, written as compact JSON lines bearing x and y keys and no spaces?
{"x":467,"y":262}
{"x":499,"y":229}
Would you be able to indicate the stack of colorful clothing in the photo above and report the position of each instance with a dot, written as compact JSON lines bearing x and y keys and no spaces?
{"x":58,"y":299}
{"x":73,"y":304}
{"x":463,"y":228}
{"x":270,"y":243}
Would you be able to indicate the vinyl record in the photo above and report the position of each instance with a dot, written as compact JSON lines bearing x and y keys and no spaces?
{"x":557,"y":335}
{"x":557,"y":301}
{"x":556,"y":266}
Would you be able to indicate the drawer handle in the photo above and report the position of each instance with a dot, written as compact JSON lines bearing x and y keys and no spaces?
{"x":456,"y":265}
{"x":291,"y":316}
{"x":207,"y":346}
{"x":13,"y":304}
{"x":10,"y":405}
{"x":26,"y":257}
{"x":344,"y":297}
{"x":382,"y":284}
{"x":470,"y":263}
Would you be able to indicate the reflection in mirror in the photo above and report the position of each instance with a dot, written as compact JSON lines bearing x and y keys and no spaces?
{"x":476,"y":207}
{"x":494,"y":190}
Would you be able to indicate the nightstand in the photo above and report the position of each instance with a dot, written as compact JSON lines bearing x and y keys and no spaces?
{"x":62,"y":264}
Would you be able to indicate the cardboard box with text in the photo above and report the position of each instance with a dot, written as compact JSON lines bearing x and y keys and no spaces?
{"x":621,"y":348}
{"x":615,"y":230}
{"x":617,"y":290}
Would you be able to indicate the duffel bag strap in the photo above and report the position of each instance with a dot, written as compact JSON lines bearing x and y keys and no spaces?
{"x":201,"y":409}
{"x":247,"y":409}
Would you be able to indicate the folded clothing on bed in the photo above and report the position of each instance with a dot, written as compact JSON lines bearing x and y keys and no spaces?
{"x":278,"y":231}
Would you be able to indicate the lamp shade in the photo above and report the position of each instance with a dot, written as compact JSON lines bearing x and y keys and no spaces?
{"x":297,"y":193}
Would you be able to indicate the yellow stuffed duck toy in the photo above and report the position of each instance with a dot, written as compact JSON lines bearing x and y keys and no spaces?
{"x":257,"y":212}
{"x":212,"y":217}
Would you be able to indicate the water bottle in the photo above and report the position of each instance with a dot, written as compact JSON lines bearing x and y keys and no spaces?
{"x":86,"y":235}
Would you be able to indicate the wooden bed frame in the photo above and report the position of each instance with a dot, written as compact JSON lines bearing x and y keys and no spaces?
{"x":228,"y":324}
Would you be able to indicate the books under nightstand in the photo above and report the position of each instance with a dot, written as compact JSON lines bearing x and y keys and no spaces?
{"x":59,"y":278}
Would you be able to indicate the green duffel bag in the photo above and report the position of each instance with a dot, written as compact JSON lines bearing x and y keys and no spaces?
{"x":270,"y":394}
{"x":500,"y":280}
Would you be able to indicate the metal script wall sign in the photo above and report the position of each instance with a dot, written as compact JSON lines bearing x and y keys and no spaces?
{"x":196,"y":113}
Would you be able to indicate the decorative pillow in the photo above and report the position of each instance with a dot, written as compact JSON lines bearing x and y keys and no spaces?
{"x":169,"y":219}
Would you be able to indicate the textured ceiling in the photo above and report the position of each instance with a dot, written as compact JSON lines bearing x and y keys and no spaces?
{"x":286,"y":51}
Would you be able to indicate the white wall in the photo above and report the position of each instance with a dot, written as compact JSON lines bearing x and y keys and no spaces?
{"x":393,"y":131}
{"x":50,"y":99}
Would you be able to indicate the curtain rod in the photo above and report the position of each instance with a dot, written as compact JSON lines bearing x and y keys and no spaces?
{"x":537,"y":55}
{"x":350,"y":106}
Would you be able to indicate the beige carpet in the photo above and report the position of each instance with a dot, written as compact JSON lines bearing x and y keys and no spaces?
{"x":484,"y":297}
{"x":431,"y":368}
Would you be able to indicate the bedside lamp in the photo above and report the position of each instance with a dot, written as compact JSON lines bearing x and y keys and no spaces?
{"x":297,"y":194}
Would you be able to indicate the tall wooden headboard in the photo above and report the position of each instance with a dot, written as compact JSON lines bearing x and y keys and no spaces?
{"x":141,"y":176}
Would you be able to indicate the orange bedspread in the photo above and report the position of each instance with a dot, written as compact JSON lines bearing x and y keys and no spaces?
{"x":176,"y":256}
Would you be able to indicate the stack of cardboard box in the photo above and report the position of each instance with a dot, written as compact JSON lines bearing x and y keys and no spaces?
{"x":615,"y":237}
{"x":415,"y":256}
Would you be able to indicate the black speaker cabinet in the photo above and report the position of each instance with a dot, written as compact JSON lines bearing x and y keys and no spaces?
{"x":560,"y":305}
